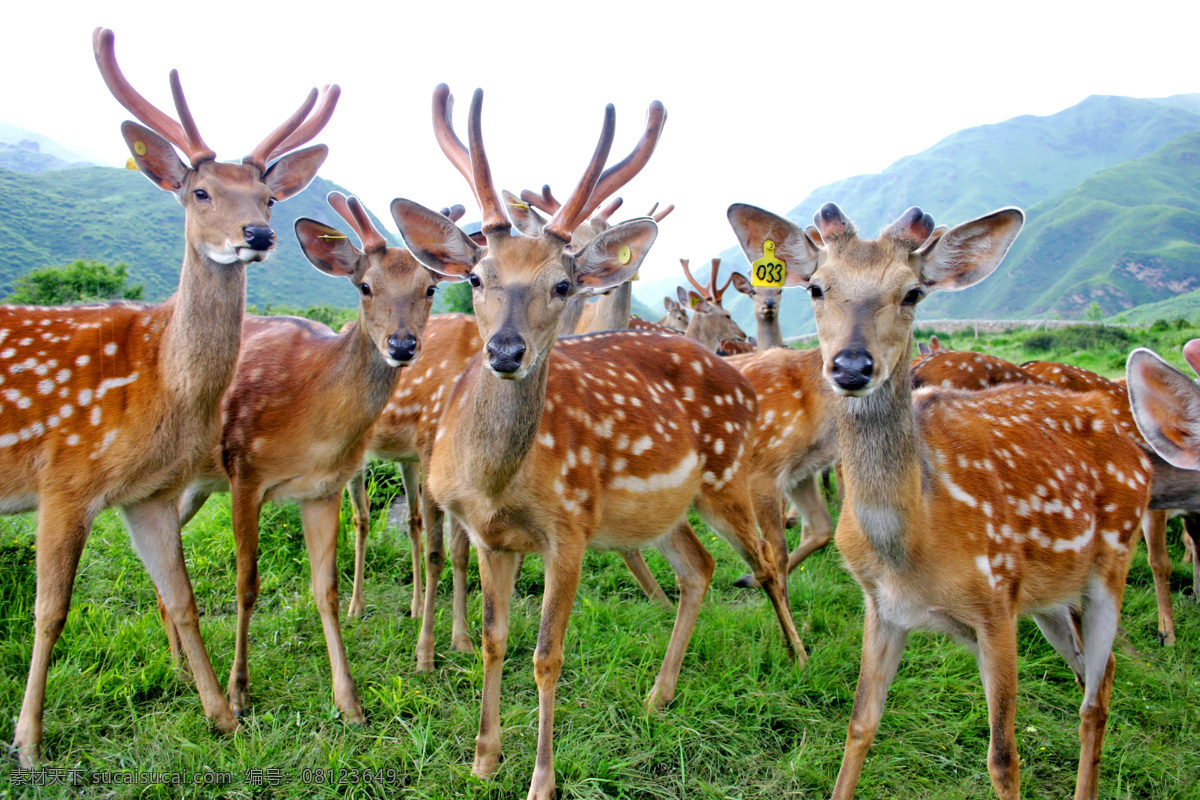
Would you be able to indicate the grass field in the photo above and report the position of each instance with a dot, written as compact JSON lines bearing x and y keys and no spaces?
{"x":745,"y":723}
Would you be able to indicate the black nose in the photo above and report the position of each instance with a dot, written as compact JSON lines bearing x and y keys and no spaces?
{"x":259,"y":237}
{"x":505,"y":351}
{"x":770,"y":304}
{"x":402,"y":348}
{"x":852,"y":369}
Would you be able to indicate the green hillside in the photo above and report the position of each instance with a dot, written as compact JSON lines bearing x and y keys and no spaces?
{"x":117,"y":216}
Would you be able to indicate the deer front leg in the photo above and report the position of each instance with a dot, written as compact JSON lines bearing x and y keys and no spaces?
{"x":360,"y":505}
{"x":497,"y":574}
{"x":460,"y":556}
{"x":645,"y":578}
{"x":694,"y":569}
{"x":1154,"y":531}
{"x":997,"y":655}
{"x":320,"y":519}
{"x":435,"y":562}
{"x":62,"y":530}
{"x":1101,"y":614}
{"x":154,"y":530}
{"x":883,"y":645}
{"x":246,"y":507}
{"x":563,"y":566}
{"x":177,"y":660}
{"x":411,"y":473}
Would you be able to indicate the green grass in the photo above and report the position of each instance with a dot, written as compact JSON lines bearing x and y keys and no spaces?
{"x":745,"y":723}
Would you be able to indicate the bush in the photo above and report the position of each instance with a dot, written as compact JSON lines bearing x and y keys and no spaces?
{"x":77,"y":282}
{"x":1079,"y":337}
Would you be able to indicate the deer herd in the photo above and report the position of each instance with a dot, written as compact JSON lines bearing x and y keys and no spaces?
{"x":975,"y":491}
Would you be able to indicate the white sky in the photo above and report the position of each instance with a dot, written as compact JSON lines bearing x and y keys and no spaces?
{"x":765,"y":100}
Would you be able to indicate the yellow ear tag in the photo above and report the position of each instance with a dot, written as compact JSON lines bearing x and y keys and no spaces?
{"x":637,"y":276}
{"x":130,"y":164}
{"x":139,"y":148}
{"x":623,"y":255}
{"x":328,"y":236}
{"x":693,"y":301}
{"x":521,"y":204}
{"x":768,"y":270}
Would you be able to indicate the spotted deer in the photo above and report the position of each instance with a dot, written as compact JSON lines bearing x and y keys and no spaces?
{"x":965,"y":369}
{"x":963,"y":510}
{"x":676,"y":318}
{"x":299,"y":413}
{"x":710,"y":324}
{"x":115,"y":404}
{"x":603,"y":444}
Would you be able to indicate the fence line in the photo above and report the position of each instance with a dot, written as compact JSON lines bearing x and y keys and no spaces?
{"x":985,"y":325}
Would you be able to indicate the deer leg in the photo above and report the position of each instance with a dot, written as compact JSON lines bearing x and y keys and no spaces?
{"x":360,"y":504}
{"x":883,"y":645}
{"x":731,"y":515}
{"x":435,"y":562}
{"x":154,"y":530}
{"x":1154,"y":531}
{"x":694,"y":569}
{"x":563,"y":567}
{"x":320,"y":519}
{"x":247,"y":505}
{"x":460,"y":556}
{"x":645,"y":578}
{"x":497,"y":574}
{"x":62,"y":530}
{"x":190,"y":502}
{"x":768,"y":509}
{"x":412,"y":497}
{"x":1101,"y":615}
{"x":997,"y":658}
{"x":1060,"y":630}
{"x":818,"y":525}
{"x":1191,"y":532}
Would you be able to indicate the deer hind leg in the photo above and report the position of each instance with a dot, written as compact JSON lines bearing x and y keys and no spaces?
{"x":1154,"y":531}
{"x":997,"y":657}
{"x":435,"y":562}
{"x":460,"y":557}
{"x":1191,"y":534}
{"x":1101,"y":615}
{"x":62,"y":531}
{"x":497,"y":574}
{"x":190,"y":503}
{"x":694,"y":570}
{"x":645,"y":578}
{"x":563,"y":566}
{"x":247,"y":505}
{"x":360,"y":505}
{"x":154,"y":530}
{"x":320,"y":520}
{"x":411,"y":473}
{"x":883,"y":645}
{"x":730,"y":513}
{"x":818,"y":525}
{"x":1059,"y":627}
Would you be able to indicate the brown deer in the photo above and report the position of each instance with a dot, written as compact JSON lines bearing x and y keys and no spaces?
{"x":767,"y":300}
{"x":299,"y":413}
{"x":116,"y":404}
{"x":966,"y":369}
{"x":604,"y":443}
{"x":676,"y":318}
{"x":963,"y":510}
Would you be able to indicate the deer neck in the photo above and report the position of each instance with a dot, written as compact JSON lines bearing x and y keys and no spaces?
{"x":700,"y":329}
{"x":204,"y":332}
{"x":769,"y":333}
{"x":884,"y":461}
{"x":500,"y":425}
{"x":614,"y":309}
{"x":572,"y":314}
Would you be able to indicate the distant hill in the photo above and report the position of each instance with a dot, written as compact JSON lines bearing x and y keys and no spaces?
{"x":117,"y":216}
{"x":1022,"y":161}
{"x":24,"y":150}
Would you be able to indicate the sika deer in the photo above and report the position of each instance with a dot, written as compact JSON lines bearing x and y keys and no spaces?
{"x":117,"y":404}
{"x":963,"y":510}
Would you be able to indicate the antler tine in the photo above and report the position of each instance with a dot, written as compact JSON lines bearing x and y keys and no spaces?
{"x":196,"y":150}
{"x":624,"y":171}
{"x":104,"y":48}
{"x":692,"y":278}
{"x":609,"y":210}
{"x":494,"y":217}
{"x":545,"y":202}
{"x":577,"y":207}
{"x":260,"y":156}
{"x":372,"y":239}
{"x":660,"y":216}
{"x":716,"y":294}
{"x":314,"y":124}
{"x":653,"y":208}
{"x":455,"y":212}
{"x":447,"y":139}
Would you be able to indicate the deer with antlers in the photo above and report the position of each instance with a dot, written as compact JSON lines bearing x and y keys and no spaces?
{"x":607,"y":445}
{"x":299,"y":413}
{"x":117,"y":404}
{"x":963,"y":510}
{"x":711,"y":324}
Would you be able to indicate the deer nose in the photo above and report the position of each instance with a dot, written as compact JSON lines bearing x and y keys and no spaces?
{"x":402,"y":349}
{"x":505,"y":352}
{"x":852,"y":369}
{"x":259,"y":237}
{"x":770,"y":304}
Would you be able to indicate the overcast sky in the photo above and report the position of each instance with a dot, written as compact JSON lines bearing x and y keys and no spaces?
{"x":765,"y":101}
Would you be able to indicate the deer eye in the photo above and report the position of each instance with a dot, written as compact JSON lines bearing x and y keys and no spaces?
{"x":815,"y":292}
{"x":474,"y":280}
{"x":270,"y":202}
{"x":430,"y":291}
{"x":200,"y":194}
{"x":365,"y":288}
{"x":912,"y":298}
{"x":562,"y":289}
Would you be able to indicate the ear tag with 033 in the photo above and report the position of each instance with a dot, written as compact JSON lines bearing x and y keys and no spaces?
{"x":768,"y":271}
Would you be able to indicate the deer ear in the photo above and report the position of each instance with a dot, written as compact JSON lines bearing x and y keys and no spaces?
{"x":968,"y":253}
{"x":289,"y":175}
{"x":754,"y":226}
{"x":923,"y":349}
{"x":615,"y":255}
{"x":1166,"y":407}
{"x":524,"y":216}
{"x":155,"y":157}
{"x":669,"y":304}
{"x":435,"y":240}
{"x":742,"y":284}
{"x":327,"y":249}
